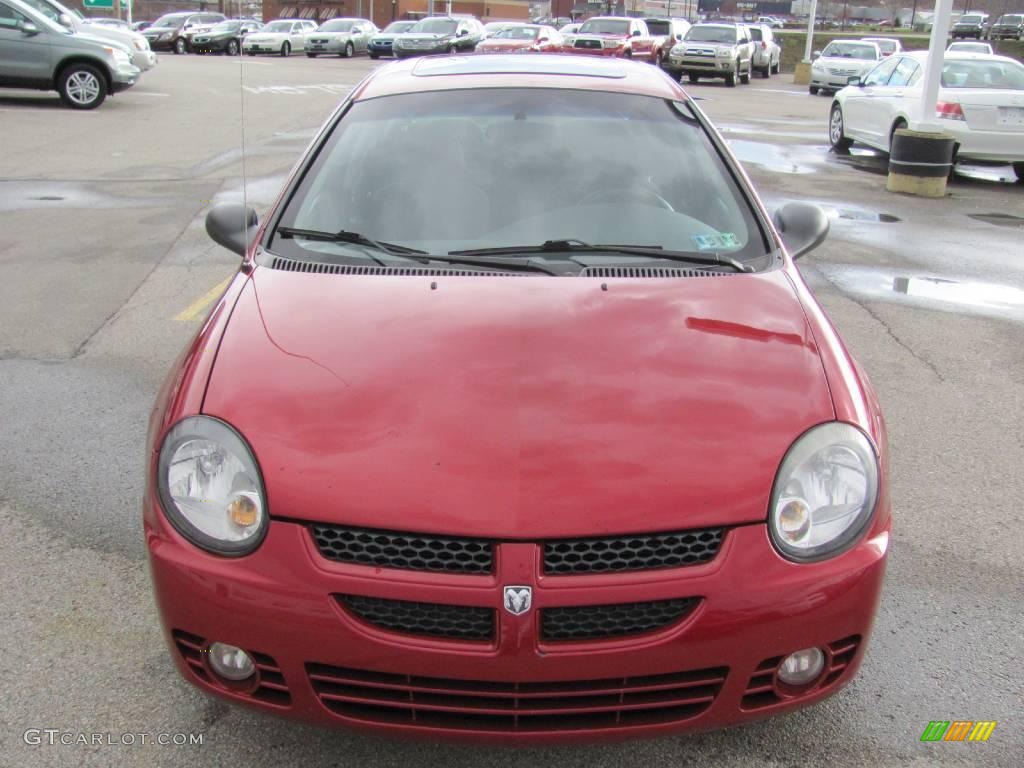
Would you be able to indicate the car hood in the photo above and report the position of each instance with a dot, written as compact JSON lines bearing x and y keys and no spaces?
{"x":431,"y":38}
{"x":518,"y":406}
{"x":492,"y":44}
{"x":102,"y":41}
{"x":844,"y":62}
{"x":329,"y":35}
{"x":258,"y":37}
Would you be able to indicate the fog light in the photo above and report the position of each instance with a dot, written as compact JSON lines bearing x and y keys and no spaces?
{"x":802,"y":667}
{"x":230,"y":662}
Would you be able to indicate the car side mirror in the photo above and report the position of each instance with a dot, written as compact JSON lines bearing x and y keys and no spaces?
{"x":29,"y":28}
{"x":856,"y":81}
{"x":232,"y":225}
{"x":636,"y":33}
{"x":462,"y":33}
{"x":543,"y":39}
{"x":64,"y":20}
{"x":815,"y":55}
{"x":802,"y":226}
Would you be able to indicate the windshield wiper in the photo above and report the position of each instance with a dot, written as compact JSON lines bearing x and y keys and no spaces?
{"x":578,"y":246}
{"x":353,"y":238}
{"x":515,"y":265}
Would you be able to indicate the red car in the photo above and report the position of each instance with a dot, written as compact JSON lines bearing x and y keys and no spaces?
{"x":612,"y":36}
{"x":487,"y":440}
{"x":522,"y":38}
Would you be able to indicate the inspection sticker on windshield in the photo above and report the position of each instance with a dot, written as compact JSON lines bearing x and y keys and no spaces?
{"x":716,"y":242}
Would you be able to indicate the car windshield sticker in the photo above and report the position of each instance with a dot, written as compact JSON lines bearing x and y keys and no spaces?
{"x":716,"y":242}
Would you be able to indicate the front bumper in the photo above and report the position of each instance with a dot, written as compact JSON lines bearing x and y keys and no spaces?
{"x":161,"y":45}
{"x":828,"y":80}
{"x":612,"y":52}
{"x":715,"y":67}
{"x":265,"y":47}
{"x":331,"y":46}
{"x":383,"y":47}
{"x":213,"y":45}
{"x":408,"y":53}
{"x":123,"y":78}
{"x":755,"y":607}
{"x":144,"y":60}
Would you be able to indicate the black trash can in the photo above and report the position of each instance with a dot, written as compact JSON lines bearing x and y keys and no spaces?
{"x":920,"y":163}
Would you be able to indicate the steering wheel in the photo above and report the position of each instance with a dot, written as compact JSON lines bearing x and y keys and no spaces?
{"x":645,"y":195}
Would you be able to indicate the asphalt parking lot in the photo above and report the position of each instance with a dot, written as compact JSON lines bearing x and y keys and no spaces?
{"x":107,"y":272}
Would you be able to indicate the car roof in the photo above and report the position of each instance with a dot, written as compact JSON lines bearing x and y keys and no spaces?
{"x":449,"y":73}
{"x":962,"y":56}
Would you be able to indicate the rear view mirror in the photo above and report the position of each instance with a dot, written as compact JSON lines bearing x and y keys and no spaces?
{"x":232,"y":225}
{"x":802,"y":226}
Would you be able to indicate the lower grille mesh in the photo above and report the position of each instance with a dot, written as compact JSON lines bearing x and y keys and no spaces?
{"x":458,"y":622}
{"x":471,"y":705}
{"x":593,"y":622}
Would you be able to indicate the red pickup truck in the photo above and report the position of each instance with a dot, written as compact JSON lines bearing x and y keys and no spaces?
{"x":612,"y":36}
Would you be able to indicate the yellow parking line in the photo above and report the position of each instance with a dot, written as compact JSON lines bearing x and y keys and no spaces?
{"x":191,"y":312}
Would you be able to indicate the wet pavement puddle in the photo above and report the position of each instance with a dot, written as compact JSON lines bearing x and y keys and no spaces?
{"x":960,"y":296}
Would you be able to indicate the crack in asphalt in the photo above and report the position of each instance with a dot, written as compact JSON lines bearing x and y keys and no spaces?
{"x":885,"y":325}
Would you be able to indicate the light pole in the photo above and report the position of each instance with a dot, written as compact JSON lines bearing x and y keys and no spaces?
{"x":810,"y":32}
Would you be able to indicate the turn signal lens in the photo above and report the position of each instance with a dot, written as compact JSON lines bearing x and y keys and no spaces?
{"x":243,"y":511}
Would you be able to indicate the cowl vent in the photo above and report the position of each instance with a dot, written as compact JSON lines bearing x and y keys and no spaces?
{"x":654,"y":272}
{"x":321,"y":268}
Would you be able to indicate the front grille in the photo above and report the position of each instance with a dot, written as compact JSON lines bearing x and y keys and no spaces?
{"x":471,"y":705}
{"x":632,"y":553}
{"x":410,"y":551}
{"x":460,"y":622}
{"x":595,"y":622}
{"x":761,"y":691}
{"x":271,"y":687}
{"x":590,"y":44}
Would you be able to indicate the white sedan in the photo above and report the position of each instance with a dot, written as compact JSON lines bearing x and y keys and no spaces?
{"x":281,"y":36}
{"x":342,"y":37}
{"x":969,"y":46}
{"x":841,"y":60}
{"x":980,"y":104}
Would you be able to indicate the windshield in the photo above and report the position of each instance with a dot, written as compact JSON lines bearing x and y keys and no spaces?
{"x":1012,"y":19}
{"x":605,"y":27}
{"x":725,"y":35}
{"x":970,"y":18}
{"x":755,"y":33}
{"x":1002,"y":75}
{"x":49,"y":19}
{"x":336,"y":26}
{"x":436,"y":26}
{"x":226,"y":26}
{"x":173,"y":20}
{"x":518,"y":33}
{"x":278,"y":26}
{"x":520,"y":167}
{"x":659,"y":28}
{"x":970,"y":47}
{"x":399,"y":26}
{"x":850,"y":51}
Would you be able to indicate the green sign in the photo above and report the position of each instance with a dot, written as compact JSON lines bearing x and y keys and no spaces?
{"x":104,"y":3}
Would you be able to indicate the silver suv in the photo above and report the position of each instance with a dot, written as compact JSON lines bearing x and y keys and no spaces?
{"x":39,"y":54}
{"x":713,"y":50}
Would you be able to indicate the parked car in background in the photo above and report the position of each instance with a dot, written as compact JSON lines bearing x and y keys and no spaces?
{"x":969,"y":47}
{"x":767,"y":51}
{"x":771,"y":21}
{"x":170,"y":31}
{"x":666,"y":33}
{"x":39,"y":54}
{"x":72,"y":19}
{"x":380,"y":44}
{"x":570,"y":29}
{"x":492,"y":27}
{"x":225,"y":37}
{"x":980,"y":104}
{"x":522,"y":38}
{"x":439,"y":34}
{"x":887,"y":46}
{"x":440,"y":247}
{"x":138,"y":26}
{"x":612,"y":36}
{"x":341,"y":37}
{"x":112,"y":23}
{"x":714,"y":49}
{"x":200,"y":27}
{"x":970,"y":25}
{"x":841,"y":60}
{"x":282,"y":36}
{"x":1009,"y":26}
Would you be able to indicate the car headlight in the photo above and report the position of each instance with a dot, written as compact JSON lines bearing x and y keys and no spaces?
{"x":824,"y":493}
{"x":166,"y":35}
{"x":611,"y":43}
{"x":723,"y":53}
{"x":140,"y":45}
{"x":211,"y":488}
